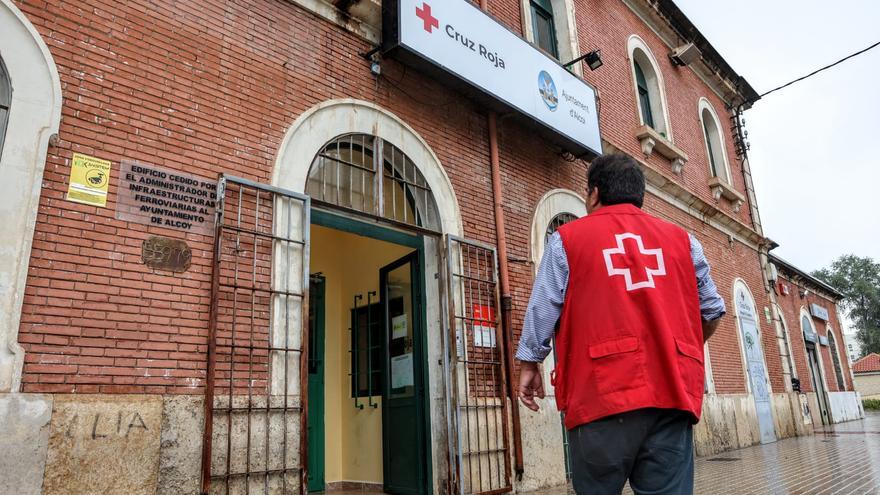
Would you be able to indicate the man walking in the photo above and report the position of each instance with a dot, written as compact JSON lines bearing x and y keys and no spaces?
{"x":634,"y":302}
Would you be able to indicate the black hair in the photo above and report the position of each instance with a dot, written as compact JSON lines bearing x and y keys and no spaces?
{"x":619,"y":180}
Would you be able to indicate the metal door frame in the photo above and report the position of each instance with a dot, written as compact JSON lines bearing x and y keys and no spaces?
{"x":458,"y":456}
{"x":217,"y":286}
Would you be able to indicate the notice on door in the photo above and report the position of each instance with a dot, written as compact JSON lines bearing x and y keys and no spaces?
{"x":402,"y":370}
{"x":89,"y":180}
{"x":398,"y":327}
{"x":166,"y":198}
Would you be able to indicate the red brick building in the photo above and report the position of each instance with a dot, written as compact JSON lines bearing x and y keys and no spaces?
{"x":359,"y":188}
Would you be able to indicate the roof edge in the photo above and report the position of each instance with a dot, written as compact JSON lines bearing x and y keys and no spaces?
{"x":788,"y":267}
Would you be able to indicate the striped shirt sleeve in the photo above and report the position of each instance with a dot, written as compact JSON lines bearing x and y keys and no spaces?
{"x":711,"y":303}
{"x":551,"y":283}
{"x":545,"y":304}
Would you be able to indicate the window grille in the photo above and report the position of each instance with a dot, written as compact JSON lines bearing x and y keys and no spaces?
{"x":345,"y":173}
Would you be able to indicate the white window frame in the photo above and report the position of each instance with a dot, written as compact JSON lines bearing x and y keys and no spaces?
{"x":636,"y":46}
{"x":566,"y":30}
{"x":704,"y":106}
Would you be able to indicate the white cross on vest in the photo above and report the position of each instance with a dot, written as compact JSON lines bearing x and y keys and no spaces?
{"x":634,"y":262}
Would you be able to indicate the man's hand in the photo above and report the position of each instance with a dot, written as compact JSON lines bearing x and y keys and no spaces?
{"x":709,"y":328}
{"x":531,"y":384}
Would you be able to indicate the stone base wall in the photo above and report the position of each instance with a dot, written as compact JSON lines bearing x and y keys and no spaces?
{"x":78,"y":444}
{"x":845,"y":406}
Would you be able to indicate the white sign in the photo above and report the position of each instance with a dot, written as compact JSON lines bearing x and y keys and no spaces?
{"x":402,"y":370}
{"x":484,"y":336}
{"x":466,"y":42}
{"x":398,"y":327}
{"x":819,"y":311}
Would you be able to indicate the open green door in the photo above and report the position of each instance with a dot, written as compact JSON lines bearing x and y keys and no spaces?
{"x":404,"y":449}
{"x":316,"y":384}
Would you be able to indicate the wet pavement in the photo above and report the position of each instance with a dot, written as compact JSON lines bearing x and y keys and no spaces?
{"x":841,"y":459}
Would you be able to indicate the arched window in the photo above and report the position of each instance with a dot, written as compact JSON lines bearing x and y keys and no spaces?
{"x":715,"y":150}
{"x":558,"y":221}
{"x":789,"y":359}
{"x":835,"y":358}
{"x":648,"y":84}
{"x":544,"y":26}
{"x":5,"y":101}
{"x":370,"y":175}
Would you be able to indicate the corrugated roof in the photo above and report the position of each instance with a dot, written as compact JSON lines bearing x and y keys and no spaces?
{"x":868,"y":364}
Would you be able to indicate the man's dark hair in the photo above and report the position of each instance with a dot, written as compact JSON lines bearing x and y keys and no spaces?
{"x":619,"y":179}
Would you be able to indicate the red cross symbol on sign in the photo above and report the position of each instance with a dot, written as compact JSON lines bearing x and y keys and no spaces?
{"x":424,"y":14}
{"x":634,"y":261}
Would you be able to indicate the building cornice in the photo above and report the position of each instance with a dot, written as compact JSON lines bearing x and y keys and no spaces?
{"x":670,"y":24}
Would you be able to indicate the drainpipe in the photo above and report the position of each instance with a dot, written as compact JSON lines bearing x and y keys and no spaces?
{"x":506,"y":298}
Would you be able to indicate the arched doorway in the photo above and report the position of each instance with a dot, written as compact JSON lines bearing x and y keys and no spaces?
{"x":817,"y":379}
{"x":362,"y":223}
{"x":756,"y":370}
{"x":30,"y":113}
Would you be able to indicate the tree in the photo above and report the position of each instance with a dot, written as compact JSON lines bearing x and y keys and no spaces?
{"x":858,"y":279}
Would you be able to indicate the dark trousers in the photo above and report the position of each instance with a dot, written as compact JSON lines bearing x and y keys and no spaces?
{"x":653,"y":448}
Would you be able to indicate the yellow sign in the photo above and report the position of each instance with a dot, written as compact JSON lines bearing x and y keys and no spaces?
{"x":89,"y":180}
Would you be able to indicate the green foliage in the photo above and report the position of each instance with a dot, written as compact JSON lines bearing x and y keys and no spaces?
{"x":871,"y":404}
{"x":858,"y":279}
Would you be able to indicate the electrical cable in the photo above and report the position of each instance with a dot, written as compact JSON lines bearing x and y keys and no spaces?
{"x":820,"y":70}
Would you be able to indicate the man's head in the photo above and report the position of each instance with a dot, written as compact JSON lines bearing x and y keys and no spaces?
{"x":614,"y":179}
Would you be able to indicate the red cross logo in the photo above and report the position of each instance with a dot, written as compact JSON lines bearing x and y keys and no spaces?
{"x":636,"y":261}
{"x":424,"y":14}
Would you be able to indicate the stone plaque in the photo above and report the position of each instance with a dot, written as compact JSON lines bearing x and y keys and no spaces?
{"x":103,"y":444}
{"x":161,"y":197}
{"x":162,"y":253}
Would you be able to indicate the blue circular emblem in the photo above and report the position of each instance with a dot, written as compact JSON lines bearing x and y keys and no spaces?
{"x":547,"y":89}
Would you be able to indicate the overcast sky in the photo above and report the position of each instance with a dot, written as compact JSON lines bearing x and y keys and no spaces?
{"x":815,"y":145}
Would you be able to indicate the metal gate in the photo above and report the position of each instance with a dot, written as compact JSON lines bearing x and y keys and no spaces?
{"x":255,"y":407}
{"x":476,"y":384}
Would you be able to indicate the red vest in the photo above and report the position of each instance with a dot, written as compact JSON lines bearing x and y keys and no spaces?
{"x":630,"y":335}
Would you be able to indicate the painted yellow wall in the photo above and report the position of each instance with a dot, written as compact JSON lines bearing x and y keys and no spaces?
{"x":350,"y":264}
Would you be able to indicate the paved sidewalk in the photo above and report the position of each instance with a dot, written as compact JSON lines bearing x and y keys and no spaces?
{"x":843,"y":459}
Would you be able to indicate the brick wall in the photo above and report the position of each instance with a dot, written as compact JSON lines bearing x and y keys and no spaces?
{"x":791,"y":305}
{"x":212,"y":86}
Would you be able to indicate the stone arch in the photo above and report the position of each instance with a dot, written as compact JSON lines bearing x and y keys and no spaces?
{"x":713,"y":133}
{"x":327,"y":120}
{"x":639,"y":52}
{"x":34,"y":117}
{"x":551,"y":204}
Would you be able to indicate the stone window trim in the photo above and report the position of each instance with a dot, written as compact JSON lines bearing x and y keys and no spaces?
{"x":740,"y":285}
{"x":721,"y":189}
{"x":638,"y":51}
{"x":566,"y":30}
{"x":652,"y":141}
{"x":364,"y":19}
{"x":836,"y":362}
{"x":34,"y":118}
{"x":704,"y":108}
